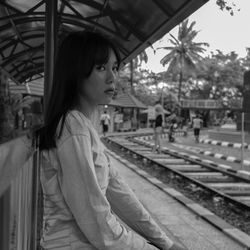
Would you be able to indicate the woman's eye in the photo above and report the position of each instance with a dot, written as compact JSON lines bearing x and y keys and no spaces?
{"x":100,"y":67}
{"x":115,"y":69}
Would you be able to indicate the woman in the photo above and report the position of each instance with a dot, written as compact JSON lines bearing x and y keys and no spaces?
{"x":81,"y":189}
{"x":158,"y":127}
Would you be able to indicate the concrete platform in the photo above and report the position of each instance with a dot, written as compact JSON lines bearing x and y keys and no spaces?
{"x":230,"y":135}
{"x":177,"y":220}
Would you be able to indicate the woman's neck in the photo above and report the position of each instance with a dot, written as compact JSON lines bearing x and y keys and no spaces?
{"x":86,"y":108}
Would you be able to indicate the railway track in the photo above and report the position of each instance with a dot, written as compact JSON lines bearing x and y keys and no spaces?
{"x":231,"y":187}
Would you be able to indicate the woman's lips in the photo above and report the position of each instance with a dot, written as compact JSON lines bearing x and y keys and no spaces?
{"x":110,"y":91}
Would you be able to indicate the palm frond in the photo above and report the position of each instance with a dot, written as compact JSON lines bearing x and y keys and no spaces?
{"x":173,"y":42}
{"x":167,"y":58}
{"x":195,"y":57}
{"x":191,"y":26}
{"x":174,"y":39}
{"x":173,"y":66}
{"x":166,"y":48}
{"x":196,"y":49}
{"x":201,"y":44}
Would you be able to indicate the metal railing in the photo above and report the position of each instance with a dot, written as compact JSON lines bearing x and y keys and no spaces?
{"x":19,"y":207}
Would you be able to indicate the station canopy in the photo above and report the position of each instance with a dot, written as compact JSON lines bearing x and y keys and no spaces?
{"x":126,"y":100}
{"x":133,"y":24}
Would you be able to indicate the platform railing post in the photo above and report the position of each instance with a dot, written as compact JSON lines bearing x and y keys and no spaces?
{"x":242,"y":139}
{"x":35,"y":196}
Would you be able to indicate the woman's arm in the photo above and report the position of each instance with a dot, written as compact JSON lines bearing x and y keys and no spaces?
{"x":87,"y":202}
{"x":125,"y":204}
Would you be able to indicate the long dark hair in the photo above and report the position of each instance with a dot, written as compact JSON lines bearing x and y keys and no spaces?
{"x":78,"y":54}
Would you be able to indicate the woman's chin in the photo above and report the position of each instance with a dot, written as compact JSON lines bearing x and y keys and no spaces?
{"x":109,"y":98}
{"x":105,"y":100}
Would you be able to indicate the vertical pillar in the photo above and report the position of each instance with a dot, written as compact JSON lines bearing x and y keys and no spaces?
{"x":50,"y":47}
{"x":49,"y":61}
{"x":242,"y":139}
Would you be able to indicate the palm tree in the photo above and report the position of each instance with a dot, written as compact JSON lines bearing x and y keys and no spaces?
{"x":184,"y":54}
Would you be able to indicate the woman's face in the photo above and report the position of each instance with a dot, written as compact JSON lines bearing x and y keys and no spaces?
{"x":99,"y":87}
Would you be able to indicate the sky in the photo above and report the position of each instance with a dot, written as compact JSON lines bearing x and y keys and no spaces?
{"x":218,"y":28}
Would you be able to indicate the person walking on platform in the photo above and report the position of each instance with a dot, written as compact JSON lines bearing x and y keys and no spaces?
{"x":105,"y":121}
{"x":158,"y":128}
{"x":83,"y":192}
{"x":171,"y":133}
{"x":197,"y":123}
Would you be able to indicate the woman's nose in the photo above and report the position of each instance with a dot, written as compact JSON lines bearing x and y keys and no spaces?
{"x":111,"y":76}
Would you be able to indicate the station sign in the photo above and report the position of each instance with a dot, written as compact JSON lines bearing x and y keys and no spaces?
{"x":118,"y":118}
{"x":208,"y":104}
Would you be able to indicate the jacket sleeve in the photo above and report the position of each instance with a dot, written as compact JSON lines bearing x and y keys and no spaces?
{"x":126,"y":205}
{"x":88,"y":203}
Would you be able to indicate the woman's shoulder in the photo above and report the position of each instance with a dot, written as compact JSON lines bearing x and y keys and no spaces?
{"x":76,"y":123}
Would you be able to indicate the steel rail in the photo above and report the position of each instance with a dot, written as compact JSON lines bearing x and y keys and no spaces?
{"x":190,"y":179}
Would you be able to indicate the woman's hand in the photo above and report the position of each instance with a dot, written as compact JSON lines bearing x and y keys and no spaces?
{"x":177,"y":246}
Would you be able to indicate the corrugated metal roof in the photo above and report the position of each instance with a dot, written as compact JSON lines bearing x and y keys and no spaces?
{"x":17,"y":89}
{"x":133,"y":24}
{"x":127,"y":100}
{"x":34,"y":88}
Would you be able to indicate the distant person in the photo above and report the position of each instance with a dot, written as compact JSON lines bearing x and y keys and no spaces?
{"x":171,"y":134}
{"x":197,"y":123}
{"x":158,"y":128}
{"x":185,"y":128}
{"x":105,"y":121}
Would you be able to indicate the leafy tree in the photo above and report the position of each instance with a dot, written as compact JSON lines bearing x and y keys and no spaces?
{"x":145,"y":84}
{"x":220,"y":78}
{"x":246,"y":60}
{"x":146,"y":87}
{"x":228,"y":6}
{"x":184,"y":54}
{"x":125,"y":83}
{"x":133,"y":64}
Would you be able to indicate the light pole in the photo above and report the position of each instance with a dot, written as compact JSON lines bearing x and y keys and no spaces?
{"x":162,"y":96}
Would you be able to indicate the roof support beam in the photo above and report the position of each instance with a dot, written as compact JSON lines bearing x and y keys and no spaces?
{"x":20,"y":54}
{"x":34,"y":77}
{"x":14,"y":42}
{"x":9,"y":7}
{"x":31,"y":11}
{"x":38,"y":17}
{"x":30,"y":30}
{"x":25,"y":62}
{"x":26,"y":70}
{"x":30,"y":74}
